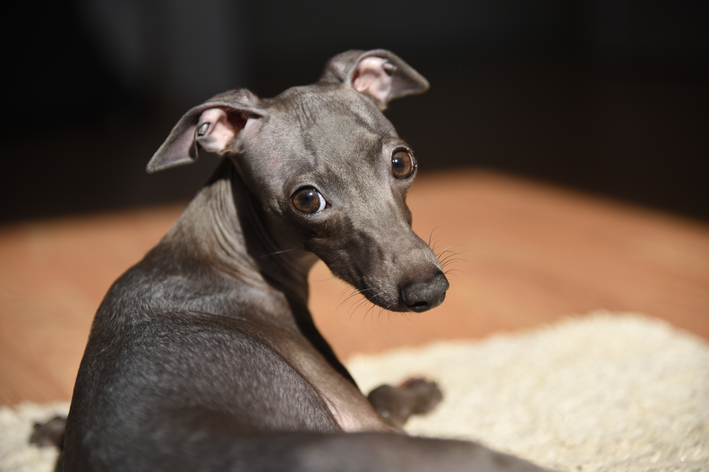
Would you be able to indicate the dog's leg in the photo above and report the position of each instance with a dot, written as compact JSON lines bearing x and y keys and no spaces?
{"x":50,"y":434}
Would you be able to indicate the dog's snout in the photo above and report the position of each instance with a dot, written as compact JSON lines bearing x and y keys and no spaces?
{"x":422,"y":295}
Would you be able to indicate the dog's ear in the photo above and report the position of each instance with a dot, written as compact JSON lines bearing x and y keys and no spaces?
{"x":214,"y":126}
{"x":380,"y":74}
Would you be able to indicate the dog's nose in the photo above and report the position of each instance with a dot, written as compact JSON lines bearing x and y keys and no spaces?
{"x":422,"y":295}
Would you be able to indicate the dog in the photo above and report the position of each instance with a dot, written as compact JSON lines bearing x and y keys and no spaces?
{"x":204,"y":355}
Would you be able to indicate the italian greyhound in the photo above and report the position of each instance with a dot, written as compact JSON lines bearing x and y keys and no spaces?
{"x":204,"y":355}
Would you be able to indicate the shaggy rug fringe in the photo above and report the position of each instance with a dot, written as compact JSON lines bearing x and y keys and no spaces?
{"x":604,"y":392}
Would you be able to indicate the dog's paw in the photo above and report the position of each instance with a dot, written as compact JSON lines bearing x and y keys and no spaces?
{"x":50,"y":433}
{"x":426,"y":393}
{"x":413,"y":397}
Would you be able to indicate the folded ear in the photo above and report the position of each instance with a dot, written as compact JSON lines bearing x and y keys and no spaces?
{"x":380,"y":74}
{"x":214,"y":126}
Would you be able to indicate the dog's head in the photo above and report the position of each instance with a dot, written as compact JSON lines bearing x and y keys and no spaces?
{"x":330,"y":172}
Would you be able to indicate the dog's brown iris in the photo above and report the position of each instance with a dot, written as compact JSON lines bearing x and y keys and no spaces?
{"x":308,"y":200}
{"x":402,"y":164}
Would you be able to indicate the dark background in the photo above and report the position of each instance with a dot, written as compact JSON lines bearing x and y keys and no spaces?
{"x":607,"y":96}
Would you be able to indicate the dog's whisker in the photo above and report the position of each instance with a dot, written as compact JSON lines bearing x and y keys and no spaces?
{"x":430,"y":239}
{"x":370,"y":311}
{"x":347,"y":289}
{"x":279,"y":252}
{"x":455,"y":253}
{"x":443,"y":251}
{"x":452,"y":253}
{"x":357,"y":305}
{"x":452,"y":260}
{"x":354,"y":293}
{"x":371,"y":308}
{"x":452,"y":272}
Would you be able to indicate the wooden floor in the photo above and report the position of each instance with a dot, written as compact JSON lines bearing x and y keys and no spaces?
{"x":521,"y":255}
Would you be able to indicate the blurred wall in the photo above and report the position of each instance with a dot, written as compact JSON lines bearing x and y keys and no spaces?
{"x":609,"y":96}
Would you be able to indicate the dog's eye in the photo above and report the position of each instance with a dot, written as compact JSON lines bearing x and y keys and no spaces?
{"x":308,"y":200}
{"x":403,"y":164}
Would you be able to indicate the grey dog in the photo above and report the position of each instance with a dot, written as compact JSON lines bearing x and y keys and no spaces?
{"x":204,"y":356}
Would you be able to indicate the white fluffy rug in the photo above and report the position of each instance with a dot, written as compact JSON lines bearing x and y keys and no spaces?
{"x":603,"y":392}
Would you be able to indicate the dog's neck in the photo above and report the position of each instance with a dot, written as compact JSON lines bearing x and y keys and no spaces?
{"x":226,"y":229}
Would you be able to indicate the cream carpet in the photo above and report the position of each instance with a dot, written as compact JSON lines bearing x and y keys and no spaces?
{"x":602,"y":392}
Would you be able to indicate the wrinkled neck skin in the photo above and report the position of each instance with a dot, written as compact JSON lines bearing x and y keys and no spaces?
{"x":225,"y":230}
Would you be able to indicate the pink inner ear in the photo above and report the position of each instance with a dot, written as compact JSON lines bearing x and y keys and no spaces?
{"x":223,"y":128}
{"x":370,"y":78}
